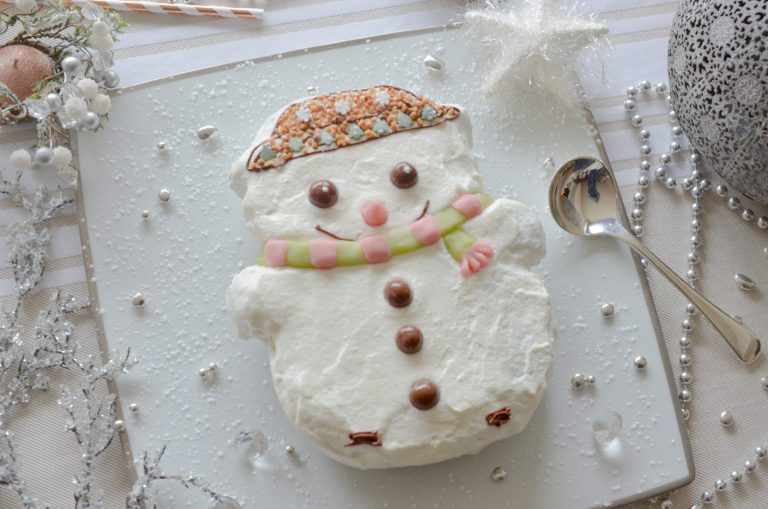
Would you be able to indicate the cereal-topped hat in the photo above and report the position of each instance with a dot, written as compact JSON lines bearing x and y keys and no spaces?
{"x":329,"y":122}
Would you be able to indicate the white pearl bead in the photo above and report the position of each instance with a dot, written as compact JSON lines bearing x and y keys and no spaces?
{"x":164,"y":195}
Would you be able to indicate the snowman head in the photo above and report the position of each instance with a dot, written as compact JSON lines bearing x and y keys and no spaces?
{"x":354,"y":163}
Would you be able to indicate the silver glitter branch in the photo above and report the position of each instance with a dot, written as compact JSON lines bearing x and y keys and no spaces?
{"x":140,"y":496}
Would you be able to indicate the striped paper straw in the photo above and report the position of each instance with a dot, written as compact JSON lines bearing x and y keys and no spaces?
{"x":165,"y":8}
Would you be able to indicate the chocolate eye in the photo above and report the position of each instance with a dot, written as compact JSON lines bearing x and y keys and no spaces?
{"x":323,"y":194}
{"x":404,"y":175}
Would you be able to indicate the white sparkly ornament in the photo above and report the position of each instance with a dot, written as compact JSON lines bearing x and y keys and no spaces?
{"x":62,"y":156}
{"x":88,"y":88}
{"x":75,"y":108}
{"x":532,"y":46}
{"x":101,"y":104}
{"x":21,"y":159}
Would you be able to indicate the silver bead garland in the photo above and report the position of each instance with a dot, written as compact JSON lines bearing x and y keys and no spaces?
{"x":696,"y":185}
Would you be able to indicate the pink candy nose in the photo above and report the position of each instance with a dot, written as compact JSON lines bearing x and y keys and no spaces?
{"x":374,"y":213}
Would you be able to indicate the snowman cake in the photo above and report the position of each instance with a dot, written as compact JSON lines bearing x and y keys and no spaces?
{"x":395,"y":296}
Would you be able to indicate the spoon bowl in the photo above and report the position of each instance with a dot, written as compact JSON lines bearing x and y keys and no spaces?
{"x":584,"y":200}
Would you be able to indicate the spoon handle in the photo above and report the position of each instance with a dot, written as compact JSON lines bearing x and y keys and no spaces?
{"x":744,"y":343}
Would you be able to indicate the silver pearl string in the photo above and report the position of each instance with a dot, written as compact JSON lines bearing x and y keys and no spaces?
{"x":697,"y":185}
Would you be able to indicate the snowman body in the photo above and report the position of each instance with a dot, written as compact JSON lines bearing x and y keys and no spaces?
{"x":340,"y":374}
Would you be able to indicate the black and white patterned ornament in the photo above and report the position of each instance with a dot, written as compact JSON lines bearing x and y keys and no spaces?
{"x":718,"y":72}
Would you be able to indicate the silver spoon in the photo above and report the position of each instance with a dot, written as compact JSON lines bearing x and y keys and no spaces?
{"x":584,"y":200}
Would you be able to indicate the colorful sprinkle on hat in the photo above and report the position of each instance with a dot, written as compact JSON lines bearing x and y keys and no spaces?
{"x":329,"y":122}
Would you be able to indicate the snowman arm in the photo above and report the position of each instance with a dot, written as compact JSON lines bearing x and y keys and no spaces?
{"x":512,"y":229}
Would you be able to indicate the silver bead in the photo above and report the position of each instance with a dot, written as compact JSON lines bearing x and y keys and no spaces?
{"x":202,"y":372}
{"x":133,"y":407}
{"x":677,"y":130}
{"x":721,"y":190}
{"x":685,"y":396}
{"x":578,"y":381}
{"x":639,"y":198}
{"x":685,"y":342}
{"x":643,"y":181}
{"x":111,"y":79}
{"x":590,"y":379}
{"x":693,"y":258}
{"x":672,"y":114}
{"x":637,"y":230}
{"x":607,"y":310}
{"x":695,"y":225}
{"x":636,"y":120}
{"x":670,"y":182}
{"x":764,"y":381}
{"x":637,"y":214}
{"x":119,"y":425}
{"x":498,"y":474}
{"x":749,"y":466}
{"x":745,"y":283}
{"x":691,"y":309}
{"x":696,"y":208}
{"x":661,"y":88}
{"x":686,"y":413}
{"x":674,"y":146}
{"x":692,"y":275}
{"x":685,"y":359}
{"x":641,"y":362}
{"x":726,"y":418}
{"x":164,"y":195}
{"x":707,"y":497}
{"x":71,"y":65}
{"x":736,"y":476}
{"x":720,"y":485}
{"x":161,"y":145}
{"x":747,"y":215}
{"x":666,"y":504}
{"x":696,"y":506}
{"x":137,"y":300}
{"x":687,"y":325}
{"x":668,"y":100}
{"x":630,"y":104}
{"x":687,"y":183}
{"x":631,"y":92}
{"x":694,"y":158}
{"x":645,"y":165}
{"x":697,"y":191}
{"x":696,"y":174}
{"x":762,"y":222}
{"x":661,"y":172}
{"x":761,"y":452}
{"x":665,"y":158}
{"x":206,"y":132}
{"x":734,"y":203}
{"x":289,"y":449}
{"x":54,"y":102}
{"x":645,"y":134}
{"x":696,"y":240}
{"x":645,"y":85}
{"x":433,"y":63}
{"x":43,"y":156}
{"x":645,"y":149}
{"x":91,"y":120}
{"x":145,"y":214}
{"x":685,"y":377}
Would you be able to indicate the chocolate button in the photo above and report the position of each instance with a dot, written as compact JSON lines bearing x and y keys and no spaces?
{"x":323,"y":194}
{"x":398,"y":293}
{"x":424,"y":394}
{"x":404,"y":175}
{"x":409,"y":339}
